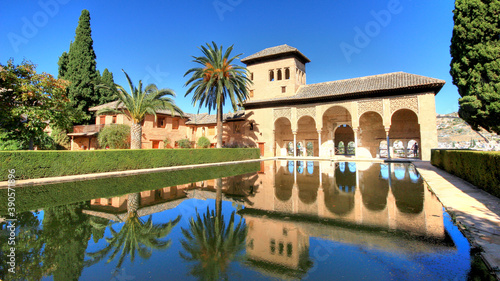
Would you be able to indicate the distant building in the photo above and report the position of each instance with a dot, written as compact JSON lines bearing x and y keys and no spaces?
{"x":286,"y":117}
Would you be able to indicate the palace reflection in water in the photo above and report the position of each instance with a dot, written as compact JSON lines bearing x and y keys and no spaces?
{"x":378,"y":206}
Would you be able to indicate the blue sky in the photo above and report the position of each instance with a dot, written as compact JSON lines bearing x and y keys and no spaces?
{"x":154,"y":40}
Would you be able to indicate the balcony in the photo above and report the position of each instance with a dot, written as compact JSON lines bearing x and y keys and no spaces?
{"x":86,"y":130}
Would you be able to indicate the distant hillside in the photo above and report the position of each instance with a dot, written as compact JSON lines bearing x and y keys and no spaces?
{"x":455,"y":132}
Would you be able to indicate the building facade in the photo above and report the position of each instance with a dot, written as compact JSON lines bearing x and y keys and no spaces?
{"x":376,"y":116}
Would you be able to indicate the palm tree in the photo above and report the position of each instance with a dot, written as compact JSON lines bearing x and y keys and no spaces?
{"x":216,"y":81}
{"x":139,"y":103}
{"x":135,"y":235}
{"x":211,"y":243}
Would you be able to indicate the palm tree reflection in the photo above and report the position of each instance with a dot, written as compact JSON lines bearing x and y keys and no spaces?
{"x":136,"y":235}
{"x":212,"y":243}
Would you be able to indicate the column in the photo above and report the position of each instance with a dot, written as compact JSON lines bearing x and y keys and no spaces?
{"x":294,"y":143}
{"x":273,"y":143}
{"x":355,"y":141}
{"x":319,"y":143}
{"x":388,"y":142}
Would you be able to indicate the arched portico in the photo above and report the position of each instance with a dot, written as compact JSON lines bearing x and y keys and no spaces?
{"x":371,"y":132}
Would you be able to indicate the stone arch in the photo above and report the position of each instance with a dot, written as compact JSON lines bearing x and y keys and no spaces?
{"x":405,"y":127}
{"x":371,"y":132}
{"x":283,"y":135}
{"x":279,"y":74}
{"x":306,"y":132}
{"x":287,"y":73}
{"x":345,"y":134}
{"x":271,"y":75}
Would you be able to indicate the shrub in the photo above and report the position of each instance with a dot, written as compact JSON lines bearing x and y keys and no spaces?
{"x":114,"y":137}
{"x":184,"y":143}
{"x":40,"y":164}
{"x":203,"y":142}
{"x":481,"y":169}
{"x":61,"y":138}
{"x":166,"y":142}
{"x":43,"y":196}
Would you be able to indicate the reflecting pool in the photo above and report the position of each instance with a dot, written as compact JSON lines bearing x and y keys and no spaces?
{"x":271,"y":220}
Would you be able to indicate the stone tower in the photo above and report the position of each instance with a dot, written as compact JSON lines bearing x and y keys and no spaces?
{"x":276,"y":72}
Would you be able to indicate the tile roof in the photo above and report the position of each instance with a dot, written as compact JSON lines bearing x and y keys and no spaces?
{"x":360,"y":86}
{"x":193,"y":119}
{"x":274,"y":51}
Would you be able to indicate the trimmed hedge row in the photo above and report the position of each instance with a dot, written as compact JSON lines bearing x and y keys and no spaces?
{"x":44,"y":196}
{"x":482,"y":169}
{"x":41,"y":164}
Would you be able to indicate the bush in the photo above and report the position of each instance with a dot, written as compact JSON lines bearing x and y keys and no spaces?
{"x":60,"y":138}
{"x":114,"y":137}
{"x":481,"y":169}
{"x":41,"y":164}
{"x":166,"y":142}
{"x":184,"y":143}
{"x":43,"y":196}
{"x":203,"y":142}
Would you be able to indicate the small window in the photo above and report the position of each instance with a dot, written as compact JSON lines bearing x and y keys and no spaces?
{"x":279,"y":74}
{"x":161,"y":122}
{"x":102,"y":119}
{"x":114,"y":119}
{"x":97,"y":201}
{"x":175,"y":124}
{"x":271,"y":75}
{"x":287,"y":73}
{"x":272,"y":246}
{"x":283,"y":89}
{"x":289,"y":249}
{"x":110,"y":201}
{"x":281,"y":248}
{"x":251,"y":76}
{"x":237,"y":128}
{"x":251,"y":93}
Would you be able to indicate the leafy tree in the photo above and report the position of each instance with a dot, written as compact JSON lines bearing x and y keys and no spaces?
{"x":139,"y":103}
{"x":114,"y":137}
{"x":203,"y":142}
{"x":475,"y":64}
{"x":29,"y":102}
{"x":216,"y":81}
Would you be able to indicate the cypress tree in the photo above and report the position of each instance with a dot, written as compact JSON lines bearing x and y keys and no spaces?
{"x":475,"y":64}
{"x":81,"y":67}
{"x":106,"y":95}
{"x":63,"y":65}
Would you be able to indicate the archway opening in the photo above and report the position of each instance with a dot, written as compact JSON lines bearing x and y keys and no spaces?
{"x":283,"y":137}
{"x":371,"y":132}
{"x":307,"y":136}
{"x":404,"y":127}
{"x":344,"y":140}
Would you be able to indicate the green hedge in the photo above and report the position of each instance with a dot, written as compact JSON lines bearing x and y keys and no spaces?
{"x":41,"y":164}
{"x":43,"y":196}
{"x":482,"y":169}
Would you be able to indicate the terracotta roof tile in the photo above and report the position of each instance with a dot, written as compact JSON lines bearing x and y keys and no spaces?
{"x":367,"y":84}
{"x":273,"y":51}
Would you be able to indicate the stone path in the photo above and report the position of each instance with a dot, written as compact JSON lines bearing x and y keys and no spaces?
{"x":475,"y":210}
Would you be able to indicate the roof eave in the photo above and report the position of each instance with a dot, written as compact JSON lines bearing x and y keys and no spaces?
{"x":435,"y":88}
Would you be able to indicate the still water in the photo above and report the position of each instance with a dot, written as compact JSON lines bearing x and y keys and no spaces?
{"x":271,"y":220}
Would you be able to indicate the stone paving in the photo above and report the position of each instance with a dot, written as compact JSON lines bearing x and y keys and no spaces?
{"x":476,"y":211}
